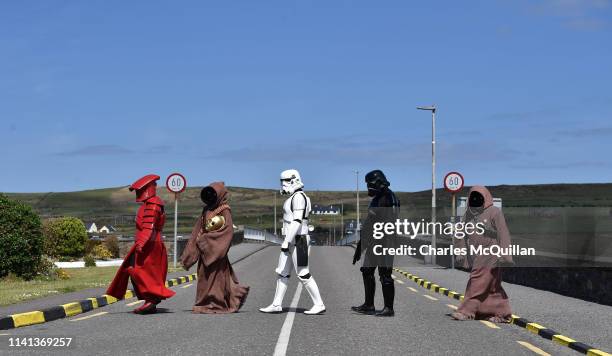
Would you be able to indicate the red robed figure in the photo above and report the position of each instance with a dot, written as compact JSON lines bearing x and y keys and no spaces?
{"x":146,"y":264}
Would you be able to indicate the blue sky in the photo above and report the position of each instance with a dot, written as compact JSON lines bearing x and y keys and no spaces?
{"x":98,"y":93}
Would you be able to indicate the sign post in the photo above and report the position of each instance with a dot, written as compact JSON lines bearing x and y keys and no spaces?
{"x":176,"y":183}
{"x":453,"y":182}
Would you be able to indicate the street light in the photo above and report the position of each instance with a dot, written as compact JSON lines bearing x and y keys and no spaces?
{"x":432,"y":108}
{"x":357,"y":181}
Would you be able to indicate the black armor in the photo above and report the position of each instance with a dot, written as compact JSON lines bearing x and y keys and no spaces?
{"x":384,"y":207}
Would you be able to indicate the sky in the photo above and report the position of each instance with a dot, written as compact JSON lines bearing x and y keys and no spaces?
{"x":96,"y":94}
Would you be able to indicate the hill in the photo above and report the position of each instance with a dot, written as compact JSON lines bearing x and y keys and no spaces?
{"x":255,"y":207}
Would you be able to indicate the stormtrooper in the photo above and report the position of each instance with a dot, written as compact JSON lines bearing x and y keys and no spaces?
{"x":295,"y":248}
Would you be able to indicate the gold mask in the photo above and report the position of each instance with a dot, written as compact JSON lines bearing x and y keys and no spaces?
{"x":215,"y":223}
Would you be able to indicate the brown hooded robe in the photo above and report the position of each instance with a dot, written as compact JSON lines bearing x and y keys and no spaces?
{"x":484,"y":296}
{"x":218,"y":288}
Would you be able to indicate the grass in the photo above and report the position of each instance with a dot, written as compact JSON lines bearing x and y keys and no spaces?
{"x":15,"y":290}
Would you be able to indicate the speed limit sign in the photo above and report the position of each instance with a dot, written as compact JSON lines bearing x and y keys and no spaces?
{"x":176,"y":183}
{"x":453,"y":182}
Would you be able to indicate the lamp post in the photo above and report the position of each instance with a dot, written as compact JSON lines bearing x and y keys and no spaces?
{"x":432,"y":108}
{"x":357,"y":181}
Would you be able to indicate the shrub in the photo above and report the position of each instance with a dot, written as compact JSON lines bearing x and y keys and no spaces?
{"x":89,"y":261}
{"x":112,"y":244}
{"x":101,"y":252}
{"x":21,"y":240}
{"x":62,"y":274}
{"x":65,"y":237}
{"x":90,"y":244}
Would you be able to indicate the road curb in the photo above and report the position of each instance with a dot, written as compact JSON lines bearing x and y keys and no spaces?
{"x":532,"y":327}
{"x":74,"y":308}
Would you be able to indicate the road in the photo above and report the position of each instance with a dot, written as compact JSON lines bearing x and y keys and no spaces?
{"x":421,"y":324}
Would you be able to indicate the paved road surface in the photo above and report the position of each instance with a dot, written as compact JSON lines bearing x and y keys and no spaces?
{"x":421,"y":325}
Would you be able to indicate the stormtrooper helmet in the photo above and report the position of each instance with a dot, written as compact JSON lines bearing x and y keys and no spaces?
{"x":290,"y":181}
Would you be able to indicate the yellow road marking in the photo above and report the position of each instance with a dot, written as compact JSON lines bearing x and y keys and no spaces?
{"x":452,"y":306}
{"x":429,"y":297}
{"x":595,"y":352}
{"x":535,"y":349}
{"x":187,"y":286}
{"x":89,"y":316}
{"x":398,"y":281}
{"x":489,"y":324}
{"x":412,"y":289}
{"x":134,"y":303}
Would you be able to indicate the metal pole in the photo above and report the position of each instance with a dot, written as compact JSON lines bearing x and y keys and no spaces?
{"x":175,"y":224}
{"x":342,"y":221}
{"x":433,"y":181}
{"x":453,"y":214}
{"x":357,"y":180}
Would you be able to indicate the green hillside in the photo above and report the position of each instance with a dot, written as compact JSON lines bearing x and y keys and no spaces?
{"x":255,"y":207}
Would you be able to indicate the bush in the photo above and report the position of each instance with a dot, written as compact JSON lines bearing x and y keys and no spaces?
{"x":112,"y":244}
{"x":89,"y":261}
{"x":65,"y":237}
{"x":102,"y":253}
{"x":90,"y":244}
{"x":21,"y":239}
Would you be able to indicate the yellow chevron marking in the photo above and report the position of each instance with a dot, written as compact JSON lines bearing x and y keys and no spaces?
{"x":535,"y":349}
{"x":128,"y":294}
{"x":94,"y":302}
{"x":110,"y":299}
{"x":595,"y":352}
{"x":562,"y":340}
{"x":534,"y":327}
{"x":72,"y":308}
{"x":89,"y":316}
{"x":30,"y":318}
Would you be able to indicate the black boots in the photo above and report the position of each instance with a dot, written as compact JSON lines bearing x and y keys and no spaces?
{"x":388,"y":290}
{"x":369,"y":287}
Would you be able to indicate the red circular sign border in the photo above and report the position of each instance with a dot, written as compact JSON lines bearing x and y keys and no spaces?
{"x":462,"y":182}
{"x":168,"y":180}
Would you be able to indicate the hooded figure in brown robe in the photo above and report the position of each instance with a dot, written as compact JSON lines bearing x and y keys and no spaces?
{"x":218,"y":288}
{"x":484,"y":296}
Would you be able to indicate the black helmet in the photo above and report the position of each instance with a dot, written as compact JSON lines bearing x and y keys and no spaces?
{"x":376,"y":182}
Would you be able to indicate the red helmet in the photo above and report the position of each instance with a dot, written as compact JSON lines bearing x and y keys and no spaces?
{"x":145,"y":187}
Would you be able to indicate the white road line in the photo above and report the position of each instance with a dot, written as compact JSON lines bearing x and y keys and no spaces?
{"x":452,"y":306}
{"x":187,"y":286}
{"x":89,"y":316}
{"x":285,"y":333}
{"x":429,"y":297}
{"x":412,"y":289}
{"x":134,"y":303}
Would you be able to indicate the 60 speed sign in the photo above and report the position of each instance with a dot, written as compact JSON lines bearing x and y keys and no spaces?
{"x":453,"y":182}
{"x":176,"y":183}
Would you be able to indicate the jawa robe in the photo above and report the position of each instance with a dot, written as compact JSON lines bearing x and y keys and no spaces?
{"x":146,"y":269}
{"x":218,"y":290}
{"x":484,"y":296}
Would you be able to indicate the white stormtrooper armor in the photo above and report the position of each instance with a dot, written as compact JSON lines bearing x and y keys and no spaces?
{"x":295,"y":248}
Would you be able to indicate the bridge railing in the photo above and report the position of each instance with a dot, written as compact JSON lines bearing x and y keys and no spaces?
{"x":252,"y":234}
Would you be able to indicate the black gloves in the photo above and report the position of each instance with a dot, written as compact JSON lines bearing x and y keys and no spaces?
{"x":357,"y":254}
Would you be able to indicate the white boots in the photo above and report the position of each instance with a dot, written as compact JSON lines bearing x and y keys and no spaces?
{"x":313,"y":290}
{"x":281,"y":288}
